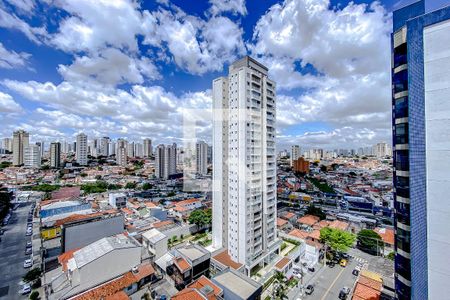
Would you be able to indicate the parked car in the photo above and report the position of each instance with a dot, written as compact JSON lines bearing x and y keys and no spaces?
{"x":331,"y":264}
{"x":28,"y":251}
{"x":311,"y":269}
{"x":29,"y":232}
{"x":343,"y":263}
{"x":355,"y":272}
{"x":27,"y":263}
{"x":29,"y":244}
{"x":26,"y":289}
{"x":309,"y":289}
{"x":344,"y":293}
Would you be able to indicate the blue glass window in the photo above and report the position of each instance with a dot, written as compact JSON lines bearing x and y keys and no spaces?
{"x":402,"y":160}
{"x":401,"y":133}
{"x":401,"y":107}
{"x":400,"y":55}
{"x":400,"y":81}
{"x":403,"y":266}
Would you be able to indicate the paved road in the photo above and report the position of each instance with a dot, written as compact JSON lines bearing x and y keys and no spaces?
{"x":328,"y":282}
{"x":12,"y":254}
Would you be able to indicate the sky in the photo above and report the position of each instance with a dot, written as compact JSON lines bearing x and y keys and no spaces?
{"x":131,"y":69}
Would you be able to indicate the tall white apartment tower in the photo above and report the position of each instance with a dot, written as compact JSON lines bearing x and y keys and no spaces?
{"x":170,"y":160}
{"x":159,"y":161}
{"x":147,"y":147}
{"x":21,"y":140}
{"x":122,"y":152}
{"x":201,"y":155}
{"x":81,"y":152}
{"x":244,"y":171}
{"x":295,"y":153}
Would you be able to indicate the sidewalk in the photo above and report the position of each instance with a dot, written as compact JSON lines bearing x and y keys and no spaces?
{"x":309,"y":278}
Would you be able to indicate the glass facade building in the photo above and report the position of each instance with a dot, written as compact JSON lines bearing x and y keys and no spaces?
{"x":420,"y":48}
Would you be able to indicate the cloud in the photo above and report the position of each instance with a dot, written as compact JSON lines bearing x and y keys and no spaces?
{"x":93,"y":25}
{"x":25,"y":7}
{"x":110,"y":66}
{"x":11,"y":21}
{"x":12,"y":59}
{"x":8,"y":105}
{"x":196,"y":46}
{"x":233,"y":6}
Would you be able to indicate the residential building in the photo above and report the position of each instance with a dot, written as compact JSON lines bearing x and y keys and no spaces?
{"x":32,"y":156}
{"x":421,"y":106}
{"x":21,"y":140}
{"x":244,"y":171}
{"x":8,"y":144}
{"x":201,"y":155}
{"x":55,"y":155}
{"x":122,"y":152}
{"x":148,"y":151}
{"x":41,"y":146}
{"x":81,"y":152}
{"x":138,"y":150}
{"x":236,"y":286}
{"x":130,"y":149}
{"x":300,"y":165}
{"x":295,"y":153}
{"x":382,"y":149}
{"x":202,"y":288}
{"x":155,"y":242}
{"x":103,"y":146}
{"x":112,"y":148}
{"x":118,"y":200}
{"x":165,"y":160}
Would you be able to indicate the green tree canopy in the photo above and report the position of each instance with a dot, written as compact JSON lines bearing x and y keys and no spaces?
{"x":146,"y":186}
{"x":201,"y":217}
{"x":32,"y":275}
{"x":45,"y":188}
{"x":369,"y":241}
{"x":130,"y":185}
{"x":338,"y":240}
{"x":315,"y":211}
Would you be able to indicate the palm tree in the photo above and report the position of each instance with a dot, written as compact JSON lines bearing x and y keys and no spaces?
{"x":281,"y":288}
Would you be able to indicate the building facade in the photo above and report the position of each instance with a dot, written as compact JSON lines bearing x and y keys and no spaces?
{"x":21,"y":139}
{"x":244,"y":171}
{"x":301,"y":165}
{"x":55,"y":155}
{"x":201,"y":156}
{"x":148,"y":151}
{"x":81,"y":152}
{"x":122,"y":152}
{"x":32,"y":156}
{"x":421,"y":132}
{"x":295,"y":153}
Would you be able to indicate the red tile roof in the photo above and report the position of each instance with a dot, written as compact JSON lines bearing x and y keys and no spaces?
{"x":308,"y":220}
{"x":64,"y":258}
{"x":114,"y":286}
{"x":336,"y":224}
{"x":162,"y":223}
{"x":225,"y":259}
{"x":288,"y":215}
{"x":188,"y":294}
{"x":78,"y":217}
{"x":127,"y":211}
{"x":301,"y":234}
{"x":118,"y":296}
{"x":188,"y":201}
{"x":182,"y":264}
{"x":367,"y":289}
{"x":386,"y":234}
{"x":315,"y":234}
{"x":66,"y":192}
{"x":281,"y":222}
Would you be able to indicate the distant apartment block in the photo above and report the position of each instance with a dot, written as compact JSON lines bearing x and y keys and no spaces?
{"x":81,"y":152}
{"x":295,"y":153}
{"x":165,"y":160}
{"x":32,"y":156}
{"x":148,"y":150}
{"x":21,"y":140}
{"x":201,"y":155}
{"x":55,"y":155}
{"x":117,"y":200}
{"x":300,"y":165}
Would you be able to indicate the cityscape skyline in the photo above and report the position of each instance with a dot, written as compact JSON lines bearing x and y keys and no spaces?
{"x":45,"y":71}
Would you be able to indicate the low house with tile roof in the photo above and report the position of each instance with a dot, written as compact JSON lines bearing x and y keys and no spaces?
{"x":221,"y":261}
{"x":307,"y":222}
{"x":284,"y":265}
{"x":289,"y":216}
{"x":103,"y":268}
{"x":367,"y":288}
{"x":388,"y":236}
{"x":282,"y":224}
{"x":188,"y":264}
{"x":201,"y":289}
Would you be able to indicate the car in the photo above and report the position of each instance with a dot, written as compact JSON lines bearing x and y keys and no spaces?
{"x":343,"y":263}
{"x":26,"y":289}
{"x":29,"y":232}
{"x":344,"y":293}
{"x":331,"y":264}
{"x":28,"y":251}
{"x":355,"y":272}
{"x":27,"y":263}
{"x":311,"y":269}
{"x":345,"y":256}
{"x":29,"y":244}
{"x":309,"y":289}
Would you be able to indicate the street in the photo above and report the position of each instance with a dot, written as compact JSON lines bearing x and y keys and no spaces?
{"x":328,"y":281}
{"x":12,"y":253}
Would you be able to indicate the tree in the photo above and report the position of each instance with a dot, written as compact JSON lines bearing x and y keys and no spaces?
{"x":280,"y":289}
{"x":336,"y":239}
{"x":146,"y":186}
{"x":315,"y":211}
{"x":45,"y":188}
{"x":391,"y":255}
{"x":34,"y":295}
{"x":32,"y":275}
{"x":201,"y":217}
{"x":130,"y":185}
{"x":369,"y":241}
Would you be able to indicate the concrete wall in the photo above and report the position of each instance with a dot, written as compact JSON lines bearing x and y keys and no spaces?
{"x":91,"y":232}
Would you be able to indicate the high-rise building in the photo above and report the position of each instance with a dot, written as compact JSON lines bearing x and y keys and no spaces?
{"x":138,"y":150}
{"x":421,"y":131}
{"x":81,"y":152}
{"x":130,"y":149}
{"x":122,"y":152}
{"x":201,"y":156}
{"x":295,"y":153}
{"x":112,"y":148}
{"x":32,"y":156}
{"x":8,"y":144}
{"x":41,"y":146}
{"x":244,"y":164}
{"x":21,"y":140}
{"x":55,"y":155}
{"x":103,"y":146}
{"x":382,"y":149}
{"x":148,"y":151}
{"x":165,"y":160}
{"x":65,"y":147}
{"x":301,"y":165}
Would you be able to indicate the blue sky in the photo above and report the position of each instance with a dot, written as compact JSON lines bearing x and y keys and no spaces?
{"x":128,"y":69}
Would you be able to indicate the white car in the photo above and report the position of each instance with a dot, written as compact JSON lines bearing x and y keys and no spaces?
{"x":26,"y":289}
{"x":27,"y":263}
